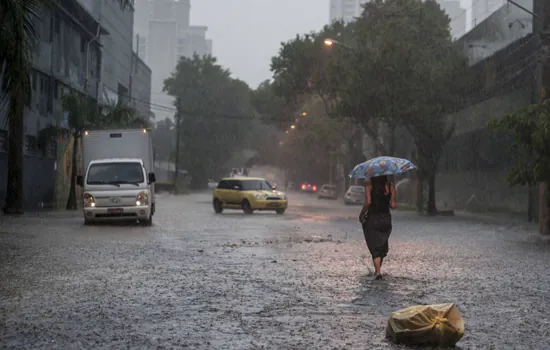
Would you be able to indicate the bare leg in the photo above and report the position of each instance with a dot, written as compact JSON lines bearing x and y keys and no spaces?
{"x":377,"y":266}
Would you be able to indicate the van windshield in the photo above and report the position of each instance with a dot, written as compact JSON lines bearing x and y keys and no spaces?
{"x":115,"y":174}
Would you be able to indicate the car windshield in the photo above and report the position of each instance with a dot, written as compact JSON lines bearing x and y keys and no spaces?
{"x":251,"y":185}
{"x":357,"y":189}
{"x":115,"y":173}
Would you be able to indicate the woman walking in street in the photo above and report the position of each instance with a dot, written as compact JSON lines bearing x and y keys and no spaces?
{"x":380,"y":196}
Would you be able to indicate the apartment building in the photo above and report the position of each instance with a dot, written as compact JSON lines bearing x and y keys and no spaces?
{"x":163,"y":34}
{"x":65,"y":36}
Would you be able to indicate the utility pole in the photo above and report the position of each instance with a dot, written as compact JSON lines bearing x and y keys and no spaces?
{"x":177,"y":160}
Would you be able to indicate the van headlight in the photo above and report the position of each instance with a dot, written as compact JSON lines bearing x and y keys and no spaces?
{"x":89,"y":200}
{"x":142,"y":199}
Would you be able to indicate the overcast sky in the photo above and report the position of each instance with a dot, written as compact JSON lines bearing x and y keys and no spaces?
{"x":247,"y":33}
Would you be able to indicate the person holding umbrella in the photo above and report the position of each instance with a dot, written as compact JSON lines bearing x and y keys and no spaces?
{"x":381,"y":197}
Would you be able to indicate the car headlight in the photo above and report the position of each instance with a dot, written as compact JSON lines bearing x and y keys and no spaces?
{"x":142,"y":198}
{"x":283,"y":196}
{"x":259,"y":196}
{"x":89,"y":200}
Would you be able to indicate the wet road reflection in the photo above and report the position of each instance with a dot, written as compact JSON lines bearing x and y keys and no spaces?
{"x":234,"y":281}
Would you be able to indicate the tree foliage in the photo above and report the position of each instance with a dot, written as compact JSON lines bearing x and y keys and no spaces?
{"x":164,"y":140}
{"x":216,"y":113}
{"x":309,"y":151}
{"x":395,"y":65}
{"x":271,"y":107}
{"x":530,"y":127}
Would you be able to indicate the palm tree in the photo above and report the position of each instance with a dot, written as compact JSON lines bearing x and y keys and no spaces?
{"x":16,"y":23}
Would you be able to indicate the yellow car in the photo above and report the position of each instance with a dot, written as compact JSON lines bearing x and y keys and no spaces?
{"x":248,"y":194}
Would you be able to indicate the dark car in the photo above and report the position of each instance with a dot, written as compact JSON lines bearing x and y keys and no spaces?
{"x":308,"y":188}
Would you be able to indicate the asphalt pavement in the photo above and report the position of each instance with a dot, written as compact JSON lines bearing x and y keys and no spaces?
{"x":303,"y":280}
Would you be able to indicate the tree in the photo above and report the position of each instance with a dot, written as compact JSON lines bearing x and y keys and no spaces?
{"x":216,"y":115}
{"x":311,"y":150}
{"x":304,"y":69}
{"x":17,"y":23}
{"x":406,"y":71}
{"x":272,"y":108}
{"x":164,"y":137}
{"x":530,"y":127}
{"x":85,"y":113}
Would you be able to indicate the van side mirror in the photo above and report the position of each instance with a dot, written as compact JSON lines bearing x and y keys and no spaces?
{"x":151,"y":177}
{"x":80,"y":180}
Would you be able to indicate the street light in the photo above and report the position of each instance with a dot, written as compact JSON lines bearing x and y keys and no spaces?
{"x":304,"y":114}
{"x":293,"y":126}
{"x":328,"y":42}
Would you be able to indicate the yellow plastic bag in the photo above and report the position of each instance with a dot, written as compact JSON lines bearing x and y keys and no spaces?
{"x":433,"y":325}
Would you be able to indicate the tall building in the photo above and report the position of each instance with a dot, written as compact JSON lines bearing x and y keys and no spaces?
{"x":481,"y":9}
{"x":346,"y":10}
{"x":457,"y":15}
{"x":163,"y":34}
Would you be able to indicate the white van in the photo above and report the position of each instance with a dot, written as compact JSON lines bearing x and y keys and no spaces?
{"x":119,"y":181}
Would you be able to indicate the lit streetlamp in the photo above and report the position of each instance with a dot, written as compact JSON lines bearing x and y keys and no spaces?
{"x":328,"y":42}
{"x":293,"y":126}
{"x":304,"y":114}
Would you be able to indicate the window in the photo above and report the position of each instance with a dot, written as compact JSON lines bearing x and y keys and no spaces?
{"x":31,"y":145}
{"x":357,"y":189}
{"x":3,"y":141}
{"x":253,"y":185}
{"x":115,"y":174}
{"x":223,"y":185}
{"x":51,"y":151}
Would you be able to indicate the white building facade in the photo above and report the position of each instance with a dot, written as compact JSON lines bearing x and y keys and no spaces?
{"x":163,"y":34}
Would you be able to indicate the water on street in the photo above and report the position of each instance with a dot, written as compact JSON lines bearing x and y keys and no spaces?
{"x":299,"y":281}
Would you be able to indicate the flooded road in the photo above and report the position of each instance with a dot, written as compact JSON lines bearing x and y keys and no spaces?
{"x":300,"y":281}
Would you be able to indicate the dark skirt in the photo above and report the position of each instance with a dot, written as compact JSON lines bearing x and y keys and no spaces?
{"x":377,"y":229}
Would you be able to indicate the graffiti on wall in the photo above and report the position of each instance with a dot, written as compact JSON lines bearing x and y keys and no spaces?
{"x":64,"y":168}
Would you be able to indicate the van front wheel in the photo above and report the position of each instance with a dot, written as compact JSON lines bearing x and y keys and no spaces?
{"x":147,"y":222}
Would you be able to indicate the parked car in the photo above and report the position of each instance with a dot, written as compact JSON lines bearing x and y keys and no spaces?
{"x":248,"y":194}
{"x":308,"y":188}
{"x":355,"y":195}
{"x":327,"y":191}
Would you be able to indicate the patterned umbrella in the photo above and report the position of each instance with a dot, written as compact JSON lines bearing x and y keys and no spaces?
{"x":381,"y":166}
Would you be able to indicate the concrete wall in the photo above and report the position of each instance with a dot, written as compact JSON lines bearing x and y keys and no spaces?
{"x":499,"y":28}
{"x":473,"y":168}
{"x":38,"y":189}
